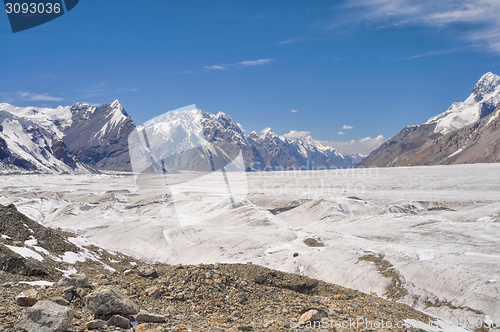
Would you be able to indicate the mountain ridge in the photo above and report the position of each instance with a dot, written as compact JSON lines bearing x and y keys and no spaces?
{"x":87,"y":138}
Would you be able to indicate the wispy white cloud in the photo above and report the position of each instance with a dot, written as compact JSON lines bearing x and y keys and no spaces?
{"x":428,"y":54}
{"x":240,"y":64}
{"x":294,"y":134}
{"x":29,"y":96}
{"x":293,"y":40}
{"x":127,"y":90}
{"x":301,"y":39}
{"x":255,"y":62}
{"x":362,"y":146}
{"x":240,"y":126}
{"x":293,"y":111}
{"x":99,"y":85}
{"x":480,"y":17}
{"x":215,"y":67}
{"x":347,"y":127}
{"x":340,"y":133}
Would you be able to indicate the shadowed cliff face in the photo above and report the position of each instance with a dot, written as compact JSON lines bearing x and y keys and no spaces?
{"x":99,"y":136}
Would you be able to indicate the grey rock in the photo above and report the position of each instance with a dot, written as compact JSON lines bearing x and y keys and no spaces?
{"x":153,"y":292}
{"x":119,"y":321}
{"x":81,"y":292}
{"x":76,"y":280}
{"x":69,"y":296}
{"x":68,"y":289}
{"x":146,"y":317}
{"x":147,"y":272}
{"x":95,"y":324}
{"x":110,"y":300}
{"x":46,"y":316}
{"x":60,"y":300}
{"x":236,"y":313}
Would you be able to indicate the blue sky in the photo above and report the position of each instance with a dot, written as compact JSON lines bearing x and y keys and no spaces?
{"x":373,"y":65}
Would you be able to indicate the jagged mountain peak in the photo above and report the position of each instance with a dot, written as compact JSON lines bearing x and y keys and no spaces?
{"x":414,"y":142}
{"x":484,"y":98}
{"x":488,"y":84}
{"x":116,"y":108}
{"x":267,"y":132}
{"x":116,"y":104}
{"x":223,"y":115}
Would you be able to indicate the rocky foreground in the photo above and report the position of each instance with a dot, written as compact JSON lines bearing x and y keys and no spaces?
{"x":55,"y":281}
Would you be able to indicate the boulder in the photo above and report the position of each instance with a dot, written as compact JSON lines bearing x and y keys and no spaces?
{"x":119,"y":321}
{"x":60,"y":300}
{"x":147,"y":272}
{"x":310,"y":242}
{"x":76,"y":280}
{"x":153,"y":292}
{"x":312,"y":315}
{"x":146,"y":317}
{"x":110,"y":300}
{"x":69,"y":296}
{"x":95,"y":324}
{"x":27,"y":298}
{"x":46,"y":316}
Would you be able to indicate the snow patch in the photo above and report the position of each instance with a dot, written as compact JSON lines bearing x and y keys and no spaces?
{"x":41,"y":283}
{"x":25,"y":252}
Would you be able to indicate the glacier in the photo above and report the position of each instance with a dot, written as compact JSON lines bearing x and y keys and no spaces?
{"x":425,"y":236}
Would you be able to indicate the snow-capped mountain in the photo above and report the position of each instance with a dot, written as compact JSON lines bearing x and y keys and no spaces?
{"x":403,"y":148}
{"x":290,"y":151}
{"x":32,"y":139}
{"x":187,"y":139}
{"x":81,"y":137}
{"x":484,"y":98}
{"x":64,"y":139}
{"x":478,"y":142}
{"x":275,"y":151}
{"x":191,"y":139}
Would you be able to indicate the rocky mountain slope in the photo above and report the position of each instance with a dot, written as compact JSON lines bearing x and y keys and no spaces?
{"x":56,"y":281}
{"x":478,"y":142}
{"x":403,"y":148}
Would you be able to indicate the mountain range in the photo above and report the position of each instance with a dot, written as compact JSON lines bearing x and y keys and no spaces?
{"x":84,"y":138}
{"x":465,"y":133}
